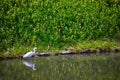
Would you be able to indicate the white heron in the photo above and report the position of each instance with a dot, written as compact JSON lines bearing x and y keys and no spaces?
{"x":29,"y":64}
{"x":31,"y":53}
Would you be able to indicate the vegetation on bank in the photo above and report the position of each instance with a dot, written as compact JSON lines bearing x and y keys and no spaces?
{"x":86,"y":47}
{"x":56,"y":24}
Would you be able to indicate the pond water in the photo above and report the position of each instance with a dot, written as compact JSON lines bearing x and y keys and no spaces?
{"x":75,"y":67}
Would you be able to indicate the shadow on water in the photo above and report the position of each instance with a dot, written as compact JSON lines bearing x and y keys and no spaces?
{"x":75,"y":67}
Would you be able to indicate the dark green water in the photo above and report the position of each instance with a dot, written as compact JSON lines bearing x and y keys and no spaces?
{"x":77,"y":67}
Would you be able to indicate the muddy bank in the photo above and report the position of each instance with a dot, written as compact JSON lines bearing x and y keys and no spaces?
{"x":70,"y":52}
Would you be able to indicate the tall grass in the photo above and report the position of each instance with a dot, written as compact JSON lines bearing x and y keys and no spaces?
{"x":57,"y":22}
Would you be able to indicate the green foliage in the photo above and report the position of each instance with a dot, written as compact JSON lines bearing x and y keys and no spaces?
{"x":57,"y":22}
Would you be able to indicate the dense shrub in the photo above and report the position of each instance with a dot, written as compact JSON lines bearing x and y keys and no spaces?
{"x":52,"y":22}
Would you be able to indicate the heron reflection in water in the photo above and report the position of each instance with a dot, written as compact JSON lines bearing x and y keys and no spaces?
{"x":29,"y":64}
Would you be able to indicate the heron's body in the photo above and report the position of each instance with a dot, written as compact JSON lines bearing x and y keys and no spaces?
{"x":30,"y":54}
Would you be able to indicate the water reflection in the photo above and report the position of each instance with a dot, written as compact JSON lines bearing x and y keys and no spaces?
{"x":30,"y":64}
{"x":83,"y":67}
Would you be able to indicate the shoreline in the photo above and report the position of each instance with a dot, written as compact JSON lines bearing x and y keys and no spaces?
{"x":68,"y":52}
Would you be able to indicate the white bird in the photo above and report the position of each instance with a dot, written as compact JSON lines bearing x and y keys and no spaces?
{"x":30,"y":64}
{"x":31,"y":53}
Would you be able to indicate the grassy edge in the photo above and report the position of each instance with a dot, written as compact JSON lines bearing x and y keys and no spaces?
{"x":18,"y":50}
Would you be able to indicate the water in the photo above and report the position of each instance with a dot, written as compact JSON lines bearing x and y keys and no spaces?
{"x":75,"y":67}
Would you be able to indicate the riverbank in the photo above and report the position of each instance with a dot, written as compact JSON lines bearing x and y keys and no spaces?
{"x":85,"y":47}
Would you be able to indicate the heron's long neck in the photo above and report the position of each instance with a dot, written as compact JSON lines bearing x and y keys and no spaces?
{"x":34,"y":51}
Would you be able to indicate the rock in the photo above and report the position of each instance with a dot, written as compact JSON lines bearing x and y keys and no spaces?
{"x":86,"y":51}
{"x":66,"y":52}
{"x":43,"y":54}
{"x":116,"y":50}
